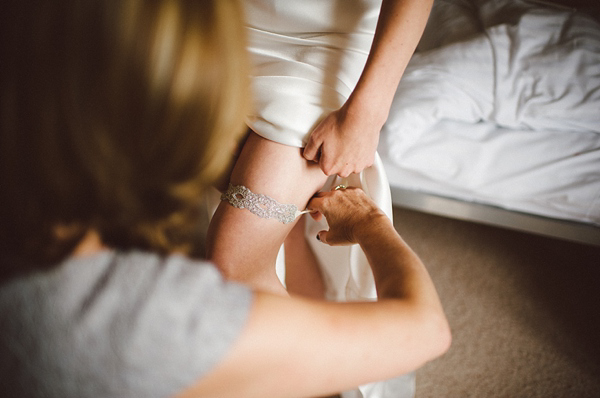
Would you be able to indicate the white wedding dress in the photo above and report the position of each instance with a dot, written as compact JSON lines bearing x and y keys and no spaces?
{"x":307,"y":56}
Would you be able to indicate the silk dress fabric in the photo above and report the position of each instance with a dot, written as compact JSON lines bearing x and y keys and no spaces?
{"x":307,"y":57}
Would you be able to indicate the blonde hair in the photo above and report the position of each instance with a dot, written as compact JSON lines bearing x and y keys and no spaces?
{"x":115,"y":116}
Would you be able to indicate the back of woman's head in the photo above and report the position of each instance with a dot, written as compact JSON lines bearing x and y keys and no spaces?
{"x":114,"y":116}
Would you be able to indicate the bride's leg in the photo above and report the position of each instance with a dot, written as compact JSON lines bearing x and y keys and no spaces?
{"x":243,"y":245}
{"x":302,"y":271}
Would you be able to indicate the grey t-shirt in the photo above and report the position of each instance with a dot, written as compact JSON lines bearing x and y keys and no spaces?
{"x":116,"y":325}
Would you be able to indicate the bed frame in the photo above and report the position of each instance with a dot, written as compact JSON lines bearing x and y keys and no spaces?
{"x":496,"y":216}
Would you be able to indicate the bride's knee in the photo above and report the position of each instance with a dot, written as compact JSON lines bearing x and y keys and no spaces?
{"x":259,"y":276}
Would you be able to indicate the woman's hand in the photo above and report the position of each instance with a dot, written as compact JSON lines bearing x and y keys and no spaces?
{"x":349,"y":213}
{"x":344,"y":142}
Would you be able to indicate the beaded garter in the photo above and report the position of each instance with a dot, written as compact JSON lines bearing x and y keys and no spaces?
{"x":261,"y":205}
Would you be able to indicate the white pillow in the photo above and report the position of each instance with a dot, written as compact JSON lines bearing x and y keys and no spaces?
{"x":540,"y":73}
{"x":548,"y":71}
{"x":454,"y":82}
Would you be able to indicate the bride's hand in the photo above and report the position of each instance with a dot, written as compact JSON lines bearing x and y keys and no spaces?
{"x":344,"y":142}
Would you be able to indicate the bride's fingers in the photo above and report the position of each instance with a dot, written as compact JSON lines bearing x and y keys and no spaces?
{"x":311,"y":150}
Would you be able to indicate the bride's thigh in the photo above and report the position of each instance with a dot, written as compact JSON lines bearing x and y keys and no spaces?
{"x":243,"y":245}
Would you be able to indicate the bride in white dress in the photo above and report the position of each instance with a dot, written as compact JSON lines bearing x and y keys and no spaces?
{"x":324,"y":73}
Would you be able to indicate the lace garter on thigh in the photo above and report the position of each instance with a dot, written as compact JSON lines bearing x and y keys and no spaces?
{"x":261,"y":205}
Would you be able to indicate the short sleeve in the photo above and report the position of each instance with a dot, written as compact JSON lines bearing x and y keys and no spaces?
{"x":153,"y":326}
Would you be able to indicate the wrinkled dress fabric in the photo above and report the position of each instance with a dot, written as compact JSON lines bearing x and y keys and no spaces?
{"x":307,"y":57}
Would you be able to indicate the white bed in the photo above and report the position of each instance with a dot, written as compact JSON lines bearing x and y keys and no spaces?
{"x":497,"y":118}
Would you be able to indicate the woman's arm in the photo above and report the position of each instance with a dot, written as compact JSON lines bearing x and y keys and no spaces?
{"x":346,"y":140}
{"x":296,"y":347}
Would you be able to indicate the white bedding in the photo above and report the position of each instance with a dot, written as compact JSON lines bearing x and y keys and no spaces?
{"x":502,"y":106}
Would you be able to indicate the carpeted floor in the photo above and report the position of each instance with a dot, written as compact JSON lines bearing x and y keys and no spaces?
{"x":524,"y":311}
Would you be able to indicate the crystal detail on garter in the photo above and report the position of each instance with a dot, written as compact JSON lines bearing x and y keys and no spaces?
{"x":261,"y":205}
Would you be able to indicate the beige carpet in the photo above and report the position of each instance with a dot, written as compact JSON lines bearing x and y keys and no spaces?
{"x":524,"y":310}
